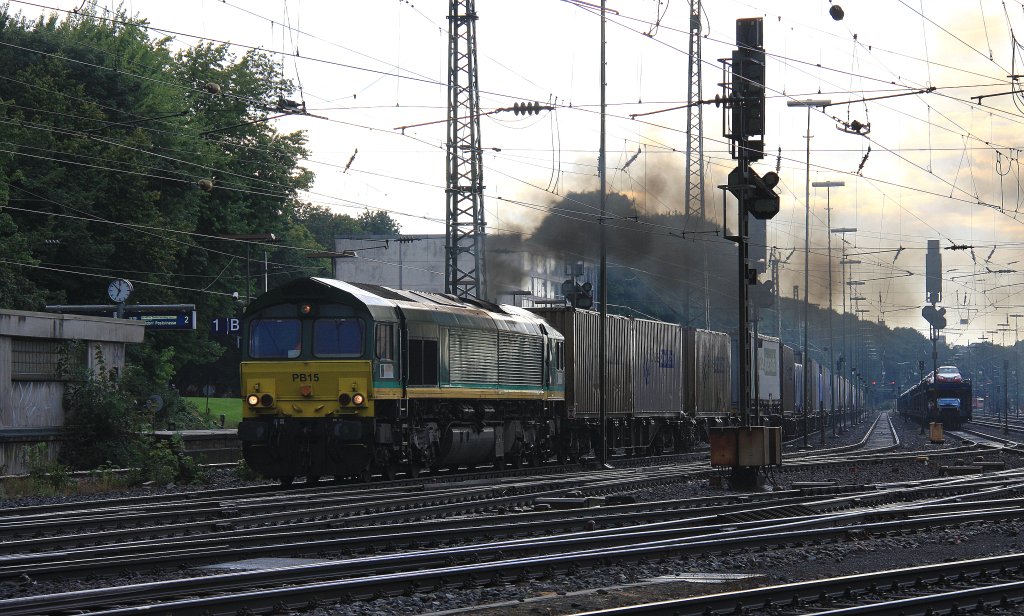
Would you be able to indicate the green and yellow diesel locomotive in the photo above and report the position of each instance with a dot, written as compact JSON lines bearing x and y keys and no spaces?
{"x":348,"y":380}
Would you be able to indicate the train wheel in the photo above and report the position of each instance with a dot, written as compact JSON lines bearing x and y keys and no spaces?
{"x":286,"y":481}
{"x":414,"y":470}
{"x":365,"y":475}
{"x":389,"y":471}
{"x":499,"y":464}
{"x":312,"y":480}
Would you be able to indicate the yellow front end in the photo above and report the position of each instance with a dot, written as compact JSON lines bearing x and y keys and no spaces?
{"x":307,"y":389}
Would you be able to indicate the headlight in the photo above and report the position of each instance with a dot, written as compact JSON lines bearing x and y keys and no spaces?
{"x":344,"y":399}
{"x":267,"y":400}
{"x":253,"y":400}
{"x":358,"y":399}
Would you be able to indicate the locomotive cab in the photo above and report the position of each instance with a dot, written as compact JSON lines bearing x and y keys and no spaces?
{"x":308,"y":385}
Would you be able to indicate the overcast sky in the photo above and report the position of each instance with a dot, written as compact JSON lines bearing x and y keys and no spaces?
{"x":940,"y":166}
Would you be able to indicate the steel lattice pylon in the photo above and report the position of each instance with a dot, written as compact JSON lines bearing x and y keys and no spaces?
{"x":694,"y":121}
{"x":464,"y":216}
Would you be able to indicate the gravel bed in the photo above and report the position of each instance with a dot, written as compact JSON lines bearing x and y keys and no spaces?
{"x":633,"y":583}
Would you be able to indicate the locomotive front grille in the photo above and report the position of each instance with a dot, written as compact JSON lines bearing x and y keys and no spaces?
{"x":309,"y":389}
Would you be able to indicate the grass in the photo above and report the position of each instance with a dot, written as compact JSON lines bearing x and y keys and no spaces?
{"x":231,"y":408}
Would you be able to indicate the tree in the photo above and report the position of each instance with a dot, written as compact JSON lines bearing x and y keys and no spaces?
{"x":124,"y":159}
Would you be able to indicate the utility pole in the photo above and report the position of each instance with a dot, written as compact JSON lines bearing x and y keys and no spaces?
{"x":1016,"y":362}
{"x":828,"y":186}
{"x":1006,"y":397}
{"x":808,"y":104}
{"x":464,"y":212}
{"x":603,"y":346}
{"x":845,"y":356}
{"x":775,"y":285}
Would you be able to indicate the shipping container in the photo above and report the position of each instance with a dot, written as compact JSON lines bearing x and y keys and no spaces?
{"x":799,"y":392}
{"x":658,"y":378}
{"x":788,"y":370}
{"x":708,"y":380}
{"x":813,"y":376}
{"x":769,"y":377}
{"x":582,"y":331}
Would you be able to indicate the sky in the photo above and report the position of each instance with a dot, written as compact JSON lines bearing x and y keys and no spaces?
{"x":941,"y":165}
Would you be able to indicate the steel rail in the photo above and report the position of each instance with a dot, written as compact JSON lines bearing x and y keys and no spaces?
{"x":429,"y":567}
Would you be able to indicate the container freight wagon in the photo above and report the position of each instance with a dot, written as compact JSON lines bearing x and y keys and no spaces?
{"x":644,"y":378}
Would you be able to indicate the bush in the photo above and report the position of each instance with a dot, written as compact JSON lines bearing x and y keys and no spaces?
{"x":45,"y":474}
{"x":245,"y":472}
{"x":107,"y":425}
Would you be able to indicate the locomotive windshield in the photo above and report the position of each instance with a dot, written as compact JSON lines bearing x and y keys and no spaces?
{"x":275,"y":338}
{"x":338,"y":337}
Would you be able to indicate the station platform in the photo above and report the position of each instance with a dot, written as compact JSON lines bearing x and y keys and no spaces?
{"x":208,"y":446}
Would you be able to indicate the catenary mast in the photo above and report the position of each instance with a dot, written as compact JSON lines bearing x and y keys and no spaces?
{"x":464,"y":214}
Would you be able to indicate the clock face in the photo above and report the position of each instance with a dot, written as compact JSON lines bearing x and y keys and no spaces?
{"x":119,"y":290}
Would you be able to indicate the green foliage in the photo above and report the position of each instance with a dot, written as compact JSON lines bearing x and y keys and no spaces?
{"x":213,"y":408}
{"x":324,"y":225}
{"x":102,"y":422}
{"x":108,"y":425}
{"x":109,"y":133}
{"x":245,"y":472}
{"x":46,"y":474}
{"x":166,"y":463}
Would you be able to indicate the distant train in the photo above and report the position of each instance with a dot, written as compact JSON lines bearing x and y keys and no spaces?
{"x":346,"y":379}
{"x":947,"y":402}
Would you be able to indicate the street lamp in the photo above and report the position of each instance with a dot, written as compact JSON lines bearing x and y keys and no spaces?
{"x":828,"y":186}
{"x":809,"y":104}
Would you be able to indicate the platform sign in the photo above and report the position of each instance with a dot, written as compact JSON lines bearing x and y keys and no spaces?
{"x":167,"y":320}
{"x":225,"y":326}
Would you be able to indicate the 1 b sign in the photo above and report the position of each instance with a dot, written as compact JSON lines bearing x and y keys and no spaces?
{"x":225,"y":326}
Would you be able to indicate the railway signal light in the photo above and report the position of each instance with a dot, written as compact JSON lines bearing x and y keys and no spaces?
{"x":933,"y":273}
{"x":578,"y":295}
{"x":748,"y":78}
{"x":758,"y":192}
{"x":935,"y":316}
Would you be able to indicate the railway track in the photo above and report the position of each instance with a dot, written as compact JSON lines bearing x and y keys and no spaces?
{"x":565,"y":554}
{"x":976,"y":586}
{"x":403,"y":544}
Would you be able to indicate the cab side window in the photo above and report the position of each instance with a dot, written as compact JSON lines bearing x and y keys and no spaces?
{"x":385,"y":336}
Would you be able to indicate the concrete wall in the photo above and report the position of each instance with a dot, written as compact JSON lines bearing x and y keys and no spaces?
{"x":403,"y":262}
{"x":31,"y":407}
{"x":417,"y":263}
